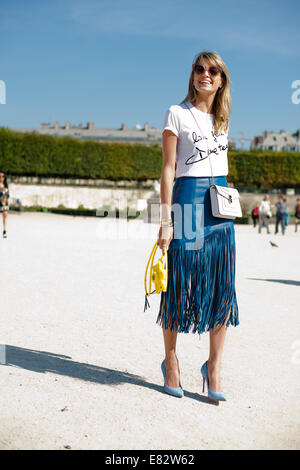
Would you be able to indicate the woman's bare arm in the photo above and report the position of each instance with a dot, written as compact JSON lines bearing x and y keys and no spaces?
{"x":169,"y":146}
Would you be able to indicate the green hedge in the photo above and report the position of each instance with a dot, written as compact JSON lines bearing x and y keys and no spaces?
{"x":31,"y":154}
{"x":264,"y":169}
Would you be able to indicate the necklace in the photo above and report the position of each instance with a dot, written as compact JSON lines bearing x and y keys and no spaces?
{"x":209,"y":114}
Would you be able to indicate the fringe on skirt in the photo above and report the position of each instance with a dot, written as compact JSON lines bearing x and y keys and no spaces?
{"x":201,"y":282}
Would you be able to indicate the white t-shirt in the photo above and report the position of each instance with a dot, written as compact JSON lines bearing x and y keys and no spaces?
{"x":192,"y":155}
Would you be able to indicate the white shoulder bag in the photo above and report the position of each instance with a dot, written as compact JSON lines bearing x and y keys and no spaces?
{"x":225,"y":201}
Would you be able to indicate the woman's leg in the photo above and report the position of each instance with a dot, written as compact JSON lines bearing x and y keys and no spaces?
{"x":216,"y":345}
{"x":276,"y":224}
{"x":4,"y":220}
{"x":260,"y":223}
{"x":282,"y":221}
{"x":171,"y":363}
{"x":267,"y":224}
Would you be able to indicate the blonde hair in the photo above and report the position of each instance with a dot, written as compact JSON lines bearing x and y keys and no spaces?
{"x":222,"y":103}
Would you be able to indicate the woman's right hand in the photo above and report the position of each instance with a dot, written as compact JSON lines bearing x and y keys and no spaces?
{"x":165,"y":236}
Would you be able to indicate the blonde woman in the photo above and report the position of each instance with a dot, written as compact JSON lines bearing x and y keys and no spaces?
{"x":201,"y":294}
{"x":4,"y":195}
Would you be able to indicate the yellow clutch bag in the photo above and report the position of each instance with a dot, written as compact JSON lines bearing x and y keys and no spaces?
{"x":158,"y":274}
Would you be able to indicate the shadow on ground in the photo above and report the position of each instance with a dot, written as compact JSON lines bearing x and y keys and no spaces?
{"x":282,"y":281}
{"x":44,"y":361}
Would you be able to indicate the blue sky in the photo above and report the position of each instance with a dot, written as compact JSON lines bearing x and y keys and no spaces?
{"x":127,"y":61}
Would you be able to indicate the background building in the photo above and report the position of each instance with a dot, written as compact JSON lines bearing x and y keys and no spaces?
{"x":277,"y":141}
{"x":146,"y":135}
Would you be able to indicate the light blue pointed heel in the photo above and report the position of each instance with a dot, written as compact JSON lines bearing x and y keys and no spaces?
{"x":218,"y":396}
{"x":176,"y":392}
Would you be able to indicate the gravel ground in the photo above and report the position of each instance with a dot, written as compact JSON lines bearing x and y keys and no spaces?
{"x":81,"y":360}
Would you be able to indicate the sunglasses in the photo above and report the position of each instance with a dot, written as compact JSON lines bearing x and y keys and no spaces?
{"x":213,"y":70}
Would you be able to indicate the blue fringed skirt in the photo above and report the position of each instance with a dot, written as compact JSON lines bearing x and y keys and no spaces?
{"x":201,"y":262}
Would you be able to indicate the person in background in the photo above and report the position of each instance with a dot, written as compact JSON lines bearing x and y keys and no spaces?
{"x":280,"y":214}
{"x":287,"y":215}
{"x":264,"y":213}
{"x":297,"y":214}
{"x":4,"y":195}
{"x":255,"y":214}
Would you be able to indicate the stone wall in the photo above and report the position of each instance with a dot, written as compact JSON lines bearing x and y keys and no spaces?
{"x":95,"y":198}
{"x":73,"y":197}
{"x":249,"y":200}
